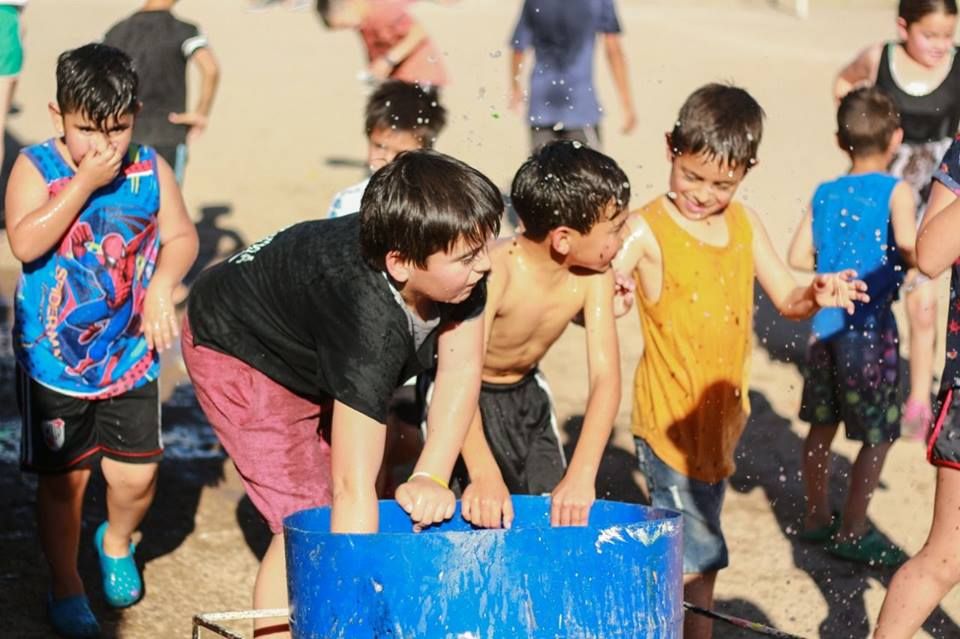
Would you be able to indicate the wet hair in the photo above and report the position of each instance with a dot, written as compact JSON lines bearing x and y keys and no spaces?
{"x":97,"y":81}
{"x":424,"y":202}
{"x":403,"y":106}
{"x":866,"y":120}
{"x":916,"y":10}
{"x":722,"y":121}
{"x":566,"y":183}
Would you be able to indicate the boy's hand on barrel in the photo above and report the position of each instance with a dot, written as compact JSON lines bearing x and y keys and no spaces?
{"x":486,"y":503}
{"x":426,"y":501}
{"x":571,"y":500}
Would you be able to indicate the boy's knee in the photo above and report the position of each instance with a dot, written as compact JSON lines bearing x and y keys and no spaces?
{"x":136,"y":479}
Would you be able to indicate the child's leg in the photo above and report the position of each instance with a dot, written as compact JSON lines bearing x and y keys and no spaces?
{"x":270,"y":590}
{"x":130,"y":491}
{"x":698,"y":590}
{"x":59,"y":505}
{"x":816,"y":475}
{"x":863,"y":481}
{"x":923,"y":581}
{"x":922,"y":314}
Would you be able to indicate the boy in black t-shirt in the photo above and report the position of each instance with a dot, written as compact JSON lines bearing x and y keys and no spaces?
{"x":311,"y":330}
{"x":160,"y":45}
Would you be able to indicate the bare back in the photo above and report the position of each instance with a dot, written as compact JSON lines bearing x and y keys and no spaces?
{"x":531,"y":301}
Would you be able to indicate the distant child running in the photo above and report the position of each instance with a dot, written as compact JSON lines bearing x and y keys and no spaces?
{"x":399,"y":117}
{"x":864,"y":221}
{"x":161,"y":45}
{"x":572,"y":201}
{"x":694,"y":253}
{"x":562,"y":100}
{"x":921,"y":72}
{"x":296,"y":345}
{"x":925,"y":579}
{"x":397,"y":45}
{"x":104,"y":237}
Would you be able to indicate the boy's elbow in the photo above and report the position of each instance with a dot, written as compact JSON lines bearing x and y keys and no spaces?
{"x":928,"y":266}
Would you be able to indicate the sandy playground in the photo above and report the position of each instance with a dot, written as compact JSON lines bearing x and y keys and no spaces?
{"x":286,"y":133}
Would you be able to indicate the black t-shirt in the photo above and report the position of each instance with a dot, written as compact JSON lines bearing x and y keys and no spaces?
{"x":160,"y":46}
{"x":304,"y":308}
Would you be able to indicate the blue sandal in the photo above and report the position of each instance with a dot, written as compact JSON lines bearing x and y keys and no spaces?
{"x":72,"y":618}
{"x":122,"y":585}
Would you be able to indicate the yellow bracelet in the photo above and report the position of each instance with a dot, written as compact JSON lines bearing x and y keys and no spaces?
{"x":430,"y":476}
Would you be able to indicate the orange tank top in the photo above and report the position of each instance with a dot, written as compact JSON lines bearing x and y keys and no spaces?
{"x":690,"y":389}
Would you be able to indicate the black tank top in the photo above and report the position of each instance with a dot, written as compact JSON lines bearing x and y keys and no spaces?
{"x":924,"y":118}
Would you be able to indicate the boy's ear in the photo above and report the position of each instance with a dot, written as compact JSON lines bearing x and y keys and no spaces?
{"x":895,"y":140}
{"x":902,"y":28}
{"x":670,"y":154}
{"x":56,"y":117}
{"x":560,"y":239}
{"x":398,"y":268}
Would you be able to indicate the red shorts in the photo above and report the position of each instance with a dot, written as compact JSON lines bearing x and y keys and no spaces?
{"x":273,"y":436}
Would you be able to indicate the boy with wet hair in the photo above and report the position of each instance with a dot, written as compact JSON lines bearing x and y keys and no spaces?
{"x":101,"y":229}
{"x":862,"y":220}
{"x":572,"y":201}
{"x":694,"y":253}
{"x":302,"y":338}
{"x":399,"y":117}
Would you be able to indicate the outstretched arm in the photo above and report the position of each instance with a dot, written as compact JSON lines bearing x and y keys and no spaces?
{"x":209,"y":81}
{"x":574,"y":495}
{"x":792,"y":300}
{"x":178,"y":251}
{"x":356,"y":451}
{"x":903,"y":219}
{"x":382,"y":67}
{"x":862,"y":70}
{"x":618,"y":69}
{"x":801,"y":255}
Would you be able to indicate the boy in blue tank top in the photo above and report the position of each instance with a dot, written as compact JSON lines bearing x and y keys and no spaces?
{"x":863,"y":220}
{"x":101,"y":229}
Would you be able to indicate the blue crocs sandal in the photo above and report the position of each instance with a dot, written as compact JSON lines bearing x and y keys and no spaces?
{"x":71,"y":617}
{"x":122,"y":585}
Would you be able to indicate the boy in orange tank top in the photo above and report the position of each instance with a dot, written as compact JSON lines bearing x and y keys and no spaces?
{"x":694,"y":253}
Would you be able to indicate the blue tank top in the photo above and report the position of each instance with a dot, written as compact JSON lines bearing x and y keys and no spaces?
{"x":78,"y":308}
{"x":851,"y":229}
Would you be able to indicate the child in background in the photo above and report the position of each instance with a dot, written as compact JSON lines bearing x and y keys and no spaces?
{"x":303,"y":337}
{"x":562,"y":98}
{"x":926,"y":578}
{"x":161,"y":45}
{"x":399,"y":117}
{"x":104,"y":237}
{"x":864,"y":220}
{"x":694,"y":253}
{"x":572,"y":201}
{"x":921,"y":73}
{"x":397,"y":45}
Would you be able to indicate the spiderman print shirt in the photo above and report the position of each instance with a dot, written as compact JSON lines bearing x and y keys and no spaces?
{"x":78,"y":308}
{"x":949,"y":175}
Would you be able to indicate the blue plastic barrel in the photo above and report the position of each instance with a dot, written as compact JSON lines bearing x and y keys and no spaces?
{"x":621,"y":576}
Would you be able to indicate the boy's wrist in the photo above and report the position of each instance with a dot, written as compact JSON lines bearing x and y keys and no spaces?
{"x":391,"y":59}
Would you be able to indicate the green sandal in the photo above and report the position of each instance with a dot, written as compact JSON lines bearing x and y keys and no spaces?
{"x":823,"y":533}
{"x":870,"y":549}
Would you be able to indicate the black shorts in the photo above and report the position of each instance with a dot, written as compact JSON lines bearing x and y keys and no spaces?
{"x":855,"y":378}
{"x":521,"y":430}
{"x":60,"y":433}
{"x":943,"y":441}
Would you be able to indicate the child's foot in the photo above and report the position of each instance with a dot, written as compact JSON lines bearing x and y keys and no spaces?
{"x":820,"y":534}
{"x":871,"y":549}
{"x":71,"y":617}
{"x":122,"y":585}
{"x":916,"y":420}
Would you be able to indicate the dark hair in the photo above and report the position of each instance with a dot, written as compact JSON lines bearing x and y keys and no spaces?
{"x":425,"y":202}
{"x":866,"y":120}
{"x":566,"y":183}
{"x":408,"y":107}
{"x":916,"y":10}
{"x":98,"y":81}
{"x":721,"y":120}
{"x":324,"y":7}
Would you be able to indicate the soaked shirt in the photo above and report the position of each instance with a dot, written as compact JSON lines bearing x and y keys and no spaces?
{"x":852,"y":229}
{"x":78,"y":308}
{"x":303,"y":307}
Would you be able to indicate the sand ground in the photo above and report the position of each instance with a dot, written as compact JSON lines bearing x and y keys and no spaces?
{"x":286,"y":133}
